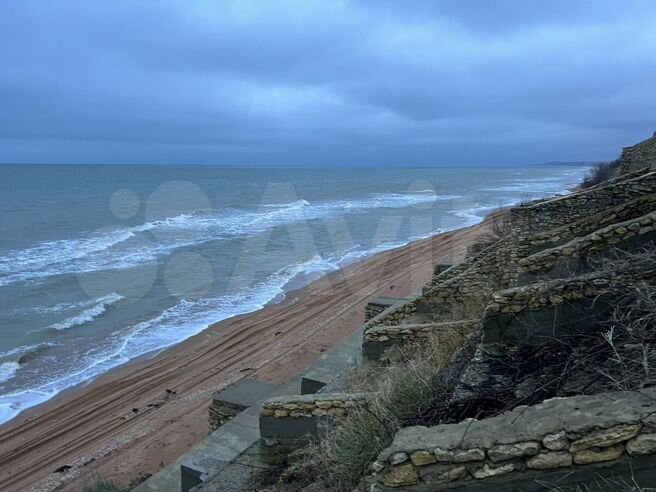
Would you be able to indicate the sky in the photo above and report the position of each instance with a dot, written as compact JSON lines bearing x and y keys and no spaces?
{"x":325,"y":82}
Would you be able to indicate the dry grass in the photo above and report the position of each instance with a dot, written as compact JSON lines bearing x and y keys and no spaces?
{"x":602,"y":484}
{"x":630,"y":331}
{"x":102,"y":485}
{"x":399,"y":392}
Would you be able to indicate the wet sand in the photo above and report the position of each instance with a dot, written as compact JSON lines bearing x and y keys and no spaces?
{"x":142,"y":416}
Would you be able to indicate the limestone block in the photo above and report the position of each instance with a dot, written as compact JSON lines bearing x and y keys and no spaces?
{"x":319,"y":412}
{"x":556,"y":442}
{"x":503,"y":452}
{"x":487,"y":471}
{"x":422,"y":458}
{"x":549,"y":460}
{"x":281,"y":413}
{"x":324,"y":405}
{"x":402,"y":475}
{"x":443,"y":455}
{"x":598,"y":455}
{"x":266,"y":412}
{"x":442,"y":473}
{"x":642,"y":444}
{"x":606,"y":437}
{"x":337,"y":412}
{"x":467,"y":455}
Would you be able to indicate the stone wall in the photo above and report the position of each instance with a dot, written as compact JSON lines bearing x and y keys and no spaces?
{"x":380,"y":338}
{"x":637,"y":230}
{"x":529,"y":220}
{"x":293,"y":420}
{"x":538,"y":312}
{"x":589,"y":223}
{"x":444,"y":298}
{"x":380,"y":304}
{"x":221,"y":412}
{"x":639,"y":156}
{"x":317,"y":405}
{"x":443,"y":275}
{"x":567,"y":435}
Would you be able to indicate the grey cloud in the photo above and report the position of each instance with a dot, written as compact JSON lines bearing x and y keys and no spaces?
{"x":313,"y":82}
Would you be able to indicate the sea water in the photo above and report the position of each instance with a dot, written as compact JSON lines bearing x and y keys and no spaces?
{"x":102,"y":264}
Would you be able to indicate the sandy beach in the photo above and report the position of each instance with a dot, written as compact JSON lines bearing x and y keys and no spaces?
{"x":142,"y":416}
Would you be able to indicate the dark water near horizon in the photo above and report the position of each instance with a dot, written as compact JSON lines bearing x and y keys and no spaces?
{"x":102,"y":264}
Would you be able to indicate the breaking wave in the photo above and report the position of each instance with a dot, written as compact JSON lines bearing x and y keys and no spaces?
{"x":99,"y":307}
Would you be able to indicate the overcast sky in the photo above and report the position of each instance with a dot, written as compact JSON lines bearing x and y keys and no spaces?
{"x":329,"y":82}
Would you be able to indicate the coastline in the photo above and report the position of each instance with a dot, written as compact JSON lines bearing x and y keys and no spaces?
{"x":125,"y":424}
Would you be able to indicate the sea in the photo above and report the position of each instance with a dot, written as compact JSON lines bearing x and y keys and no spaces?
{"x":102,"y":264}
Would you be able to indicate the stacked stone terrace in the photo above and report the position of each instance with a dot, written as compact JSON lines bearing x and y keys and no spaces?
{"x":534,"y":285}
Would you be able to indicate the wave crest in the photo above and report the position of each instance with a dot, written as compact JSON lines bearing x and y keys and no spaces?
{"x":90,"y":314}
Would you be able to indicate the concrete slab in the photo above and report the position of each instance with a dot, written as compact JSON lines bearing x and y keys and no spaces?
{"x":246,"y":392}
{"x":331,"y":364}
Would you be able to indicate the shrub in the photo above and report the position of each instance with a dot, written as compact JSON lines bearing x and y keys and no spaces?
{"x":604,"y":171}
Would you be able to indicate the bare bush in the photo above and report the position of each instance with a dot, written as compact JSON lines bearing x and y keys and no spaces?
{"x":604,"y":171}
{"x":497,"y":226}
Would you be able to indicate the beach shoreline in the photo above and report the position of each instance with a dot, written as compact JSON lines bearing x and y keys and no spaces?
{"x":142,"y":415}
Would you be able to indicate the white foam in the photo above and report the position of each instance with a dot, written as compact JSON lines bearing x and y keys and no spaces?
{"x":100,"y":306}
{"x":98,"y":251}
{"x":8,"y":370}
{"x":170,"y":327}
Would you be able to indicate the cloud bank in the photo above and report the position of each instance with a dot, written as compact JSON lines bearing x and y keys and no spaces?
{"x":281,"y":82}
